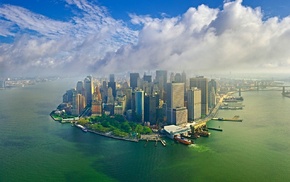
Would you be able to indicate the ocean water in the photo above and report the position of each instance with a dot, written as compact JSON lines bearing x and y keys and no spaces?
{"x":33,"y":147}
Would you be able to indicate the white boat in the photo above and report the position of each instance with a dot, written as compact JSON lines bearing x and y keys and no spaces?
{"x":82,"y":127}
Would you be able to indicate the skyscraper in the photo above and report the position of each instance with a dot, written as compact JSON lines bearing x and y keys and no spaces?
{"x":178,"y":78}
{"x":150,"y":108}
{"x":175,"y":95}
{"x":97,"y":102}
{"x":175,"y":99}
{"x":110,"y":99}
{"x":212,"y":89}
{"x":78,"y":103}
{"x":161,"y":78}
{"x":139,"y":104}
{"x":89,"y":89}
{"x":113,"y":86}
{"x":75,"y":103}
{"x":201,"y":83}
{"x":179,"y":115}
{"x":80,"y":87}
{"x":194,"y":104}
{"x":147,"y":78}
{"x":134,"y":77}
{"x":112,"y":78}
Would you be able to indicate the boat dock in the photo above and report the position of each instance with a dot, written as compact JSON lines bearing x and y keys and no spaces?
{"x":216,"y":129}
{"x":235,"y":119}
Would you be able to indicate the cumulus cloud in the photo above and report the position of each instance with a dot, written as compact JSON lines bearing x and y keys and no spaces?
{"x":208,"y":40}
{"x":201,"y":39}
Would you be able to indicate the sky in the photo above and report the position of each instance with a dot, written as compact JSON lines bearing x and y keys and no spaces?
{"x":74,"y":37}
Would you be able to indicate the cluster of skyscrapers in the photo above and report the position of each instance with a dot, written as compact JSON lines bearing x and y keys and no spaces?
{"x":176,"y":100}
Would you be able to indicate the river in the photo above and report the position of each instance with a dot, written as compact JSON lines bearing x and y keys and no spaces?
{"x":33,"y":147}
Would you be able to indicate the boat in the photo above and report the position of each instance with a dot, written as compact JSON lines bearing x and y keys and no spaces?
{"x":163,"y":142}
{"x":82,"y":127}
{"x":182,"y":140}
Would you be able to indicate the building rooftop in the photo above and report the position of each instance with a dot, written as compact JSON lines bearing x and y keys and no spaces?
{"x":173,"y":129}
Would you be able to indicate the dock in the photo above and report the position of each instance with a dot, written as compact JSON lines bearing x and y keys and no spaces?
{"x":235,"y":119}
{"x":216,"y":129}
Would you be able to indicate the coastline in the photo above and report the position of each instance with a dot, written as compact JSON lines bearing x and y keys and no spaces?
{"x":91,"y":131}
{"x":112,"y":136}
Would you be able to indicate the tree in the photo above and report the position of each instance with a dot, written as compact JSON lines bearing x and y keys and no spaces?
{"x":105,"y":124}
{"x":146,"y":130}
{"x":83,"y":121}
{"x":126,"y":127}
{"x":120,"y":118}
{"x":139,"y":128}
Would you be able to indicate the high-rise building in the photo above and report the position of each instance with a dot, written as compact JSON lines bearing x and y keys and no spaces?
{"x":68,"y":96}
{"x":175,"y":95}
{"x":75,"y":103}
{"x":128,"y":94}
{"x":112,"y":78}
{"x":80,"y":87}
{"x":211,"y":98}
{"x":194,"y":103}
{"x":161,"y":78}
{"x":112,"y":84}
{"x":97,"y":103}
{"x":171,"y":77}
{"x":183,"y":78}
{"x":118,"y":109}
{"x":150,"y":106}
{"x":139,"y":104}
{"x":212,"y":89}
{"x":104,"y":91}
{"x":179,"y":115}
{"x":89,"y":89}
{"x":175,"y":99}
{"x":134,"y":79}
{"x":121,"y":101}
{"x":147,"y":78}
{"x":78,"y":103}
{"x":178,"y":78}
{"x":110,"y":99}
{"x":212,"y":83}
{"x":202,"y":84}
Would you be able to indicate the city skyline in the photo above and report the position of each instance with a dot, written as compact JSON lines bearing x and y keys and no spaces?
{"x":88,"y":37}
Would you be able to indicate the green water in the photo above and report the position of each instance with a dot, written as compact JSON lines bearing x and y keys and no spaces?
{"x":33,"y":147}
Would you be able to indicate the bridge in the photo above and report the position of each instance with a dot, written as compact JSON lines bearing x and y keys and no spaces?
{"x":262,"y":88}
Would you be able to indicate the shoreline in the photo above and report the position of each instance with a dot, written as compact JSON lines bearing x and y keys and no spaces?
{"x":112,"y":136}
{"x":95,"y":132}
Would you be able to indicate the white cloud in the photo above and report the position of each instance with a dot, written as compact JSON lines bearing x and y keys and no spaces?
{"x":41,"y":42}
{"x":208,"y":40}
{"x":200,"y":40}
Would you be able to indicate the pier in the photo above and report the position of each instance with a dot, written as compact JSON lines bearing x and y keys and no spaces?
{"x":216,"y":129}
{"x":235,"y":119}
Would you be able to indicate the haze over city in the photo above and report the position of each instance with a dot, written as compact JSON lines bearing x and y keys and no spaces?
{"x":95,"y":37}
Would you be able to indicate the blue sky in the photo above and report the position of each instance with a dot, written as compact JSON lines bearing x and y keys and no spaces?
{"x":99,"y":37}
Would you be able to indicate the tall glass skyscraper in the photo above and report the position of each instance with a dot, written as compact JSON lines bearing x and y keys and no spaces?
{"x":89,"y":89}
{"x":161,"y":78}
{"x":134,"y":77}
{"x":139,"y":104}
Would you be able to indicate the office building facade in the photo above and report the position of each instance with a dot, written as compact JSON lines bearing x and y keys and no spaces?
{"x":202,"y":84}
